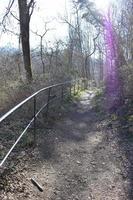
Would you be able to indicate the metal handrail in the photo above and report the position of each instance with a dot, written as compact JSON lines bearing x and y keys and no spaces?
{"x":6,"y":115}
{"x":29,"y":98}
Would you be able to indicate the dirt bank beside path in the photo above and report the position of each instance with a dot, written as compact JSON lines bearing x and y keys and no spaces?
{"x":77,"y":158}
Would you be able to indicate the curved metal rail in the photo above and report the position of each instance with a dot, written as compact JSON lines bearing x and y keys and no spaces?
{"x":33,"y":120}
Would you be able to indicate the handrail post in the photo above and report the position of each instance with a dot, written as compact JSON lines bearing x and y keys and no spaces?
{"x":78,"y":85}
{"x":62,"y":92}
{"x":34,"y":120}
{"x":70,"y":89}
{"x":48,"y":99}
{"x":82,"y":84}
{"x":74,"y":88}
{"x":84,"y":81}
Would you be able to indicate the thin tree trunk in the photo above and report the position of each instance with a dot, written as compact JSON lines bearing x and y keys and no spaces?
{"x":41,"y":52}
{"x":24,"y":17}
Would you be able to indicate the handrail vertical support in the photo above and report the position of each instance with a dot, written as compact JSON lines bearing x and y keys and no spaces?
{"x":74,"y":88}
{"x":70,"y":89}
{"x":78,"y":85}
{"x":48,"y":99}
{"x":84,"y":81}
{"x":34,"y":120}
{"x":62,"y":92}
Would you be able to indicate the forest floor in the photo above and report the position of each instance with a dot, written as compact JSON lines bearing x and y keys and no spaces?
{"x":80,"y":156}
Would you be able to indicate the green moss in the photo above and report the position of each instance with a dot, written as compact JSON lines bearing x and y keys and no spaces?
{"x":114,"y":117}
{"x":130,"y":118}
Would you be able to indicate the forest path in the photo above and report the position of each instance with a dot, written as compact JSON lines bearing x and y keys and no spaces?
{"x":77,"y":158}
{"x":79,"y":161}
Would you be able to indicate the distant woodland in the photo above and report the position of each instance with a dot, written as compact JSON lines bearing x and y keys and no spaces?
{"x":98,"y":47}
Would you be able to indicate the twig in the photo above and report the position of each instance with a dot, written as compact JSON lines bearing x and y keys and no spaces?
{"x":37,"y":184}
{"x":11,"y":2}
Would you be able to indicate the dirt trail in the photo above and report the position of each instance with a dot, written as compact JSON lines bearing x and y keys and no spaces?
{"x":77,"y":159}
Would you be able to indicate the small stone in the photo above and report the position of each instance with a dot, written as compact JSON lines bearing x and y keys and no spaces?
{"x":23,"y":153}
{"x":93,"y":163}
{"x":1,"y":147}
{"x":113,"y":186}
{"x":55,"y":192}
{"x":76,"y":198}
{"x":78,"y":162}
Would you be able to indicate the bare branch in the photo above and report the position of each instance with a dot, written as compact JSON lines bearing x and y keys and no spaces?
{"x":10,"y":31}
{"x":32,"y":9}
{"x":30,"y":4}
{"x":67,"y":22}
{"x":41,"y":36}
{"x":46,"y":30}
{"x":14,"y":16}
{"x":94,"y":41}
{"x":11,"y":2}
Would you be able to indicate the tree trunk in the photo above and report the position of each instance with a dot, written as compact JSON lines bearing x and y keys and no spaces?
{"x":24,"y":17}
{"x":41,"y":53}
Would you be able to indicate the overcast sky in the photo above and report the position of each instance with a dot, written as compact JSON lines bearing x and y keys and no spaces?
{"x":46,"y":10}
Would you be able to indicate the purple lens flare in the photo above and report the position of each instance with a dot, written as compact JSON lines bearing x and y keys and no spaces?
{"x":111,"y":75}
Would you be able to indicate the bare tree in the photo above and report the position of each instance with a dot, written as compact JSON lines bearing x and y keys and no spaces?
{"x":75,"y":40}
{"x":88,"y":55}
{"x":25,"y":12}
{"x":41,"y":36}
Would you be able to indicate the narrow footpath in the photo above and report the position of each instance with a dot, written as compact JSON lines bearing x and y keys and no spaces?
{"x":77,"y":158}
